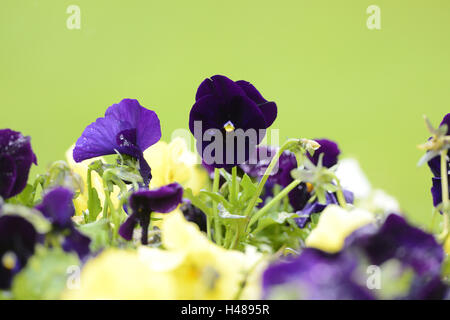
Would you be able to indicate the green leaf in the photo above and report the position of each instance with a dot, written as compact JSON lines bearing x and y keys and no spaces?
{"x":98,"y":231}
{"x":94,"y":205}
{"x":248,"y":188}
{"x":26,"y":197}
{"x":217,"y":197}
{"x":224,"y":214}
{"x":45,"y":275}
{"x":196,"y":201}
{"x":274,"y":218}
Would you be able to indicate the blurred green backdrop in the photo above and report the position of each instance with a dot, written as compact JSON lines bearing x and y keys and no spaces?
{"x":330,"y":75}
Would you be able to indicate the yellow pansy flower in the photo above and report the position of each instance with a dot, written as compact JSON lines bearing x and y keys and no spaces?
{"x":208,"y":271}
{"x":447,"y":245}
{"x":81,"y":168}
{"x":335,"y":224}
{"x":173,"y":162}
{"x":190,"y":267}
{"x":121,"y":274}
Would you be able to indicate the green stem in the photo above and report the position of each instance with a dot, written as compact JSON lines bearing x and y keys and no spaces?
{"x":341,"y":198}
{"x":288,"y":144}
{"x":445,"y":200}
{"x":273,"y":202}
{"x":217,"y":225}
{"x":233,"y":196}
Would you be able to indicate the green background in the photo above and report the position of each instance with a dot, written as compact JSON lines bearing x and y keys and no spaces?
{"x":330,"y":75}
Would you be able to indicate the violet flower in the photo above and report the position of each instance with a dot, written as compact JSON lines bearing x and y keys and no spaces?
{"x":16,"y":157}
{"x":299,"y":196}
{"x":223,"y":106}
{"x":127,"y":128}
{"x":315,"y":275}
{"x":57,"y":207}
{"x":17,"y":241}
{"x":143,"y":202}
{"x":435,"y":167}
{"x":317,"y":207}
{"x":318,"y":275}
{"x":435,"y":163}
{"x":411,"y":246}
{"x":330,"y":152}
{"x":193,"y":214}
{"x":396,"y":239}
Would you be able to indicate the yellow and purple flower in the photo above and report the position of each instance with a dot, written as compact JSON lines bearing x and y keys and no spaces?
{"x":144,"y":202}
{"x":127,"y":128}
{"x":16,"y":158}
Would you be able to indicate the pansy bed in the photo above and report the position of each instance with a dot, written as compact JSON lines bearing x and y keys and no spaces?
{"x":129,"y":216}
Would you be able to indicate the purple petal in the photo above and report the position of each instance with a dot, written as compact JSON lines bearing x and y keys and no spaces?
{"x":446,"y":120}
{"x":299,"y":197}
{"x":57,"y":207}
{"x":316,"y":275}
{"x":127,"y":127}
{"x":330,"y":152}
{"x":436,"y":191}
{"x":219,"y":86}
{"x":17,"y":236}
{"x":410,"y":245}
{"x":164,"y":199}
{"x":133,"y":116}
{"x":269,"y":109}
{"x":195,"y":215}
{"x":16,"y":157}
{"x":78,"y":242}
{"x":127,"y":228}
{"x":7,"y":175}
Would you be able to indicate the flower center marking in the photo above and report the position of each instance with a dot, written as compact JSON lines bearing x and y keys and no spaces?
{"x":9,"y":260}
{"x":229,"y":127}
{"x":309,"y":187}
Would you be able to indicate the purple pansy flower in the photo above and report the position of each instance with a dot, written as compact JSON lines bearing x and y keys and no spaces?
{"x":317,"y":207}
{"x":396,"y":239}
{"x":315,"y":275}
{"x":193,"y":214}
{"x":436,"y":191}
{"x":411,"y":246}
{"x":127,"y":128}
{"x":57,"y":207}
{"x":223,"y":105}
{"x":435,"y":163}
{"x":143,"y":202}
{"x":17,"y":241}
{"x":330,"y":152}
{"x":435,"y":167}
{"x":299,"y":196}
{"x":16,"y":157}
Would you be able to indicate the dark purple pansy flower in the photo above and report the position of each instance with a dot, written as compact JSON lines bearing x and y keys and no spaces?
{"x":143,"y":202}
{"x":316,"y":275}
{"x":57,"y":207}
{"x":411,"y":246}
{"x":316,"y":207}
{"x":17,"y":240}
{"x":223,"y":106}
{"x":193,"y":214}
{"x":330,"y":152}
{"x":127,"y":128}
{"x":16,"y":157}
{"x":435,"y":163}
{"x":436,"y":191}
